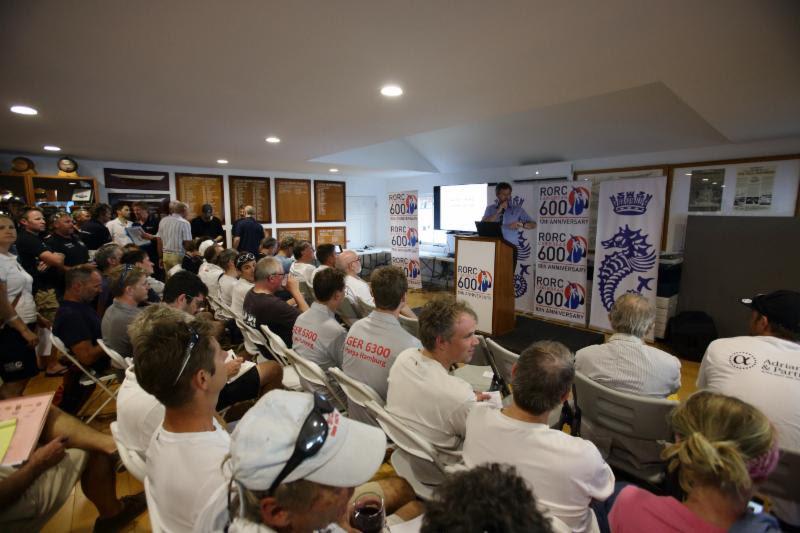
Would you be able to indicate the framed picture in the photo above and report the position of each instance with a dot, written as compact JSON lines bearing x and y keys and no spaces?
{"x":300,"y":234}
{"x":292,"y":200}
{"x":331,"y":235}
{"x":198,"y":189}
{"x":120,"y":178}
{"x":247,"y":190}
{"x":329,"y":201}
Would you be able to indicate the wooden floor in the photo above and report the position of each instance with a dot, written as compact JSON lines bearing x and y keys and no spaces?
{"x":78,"y":514}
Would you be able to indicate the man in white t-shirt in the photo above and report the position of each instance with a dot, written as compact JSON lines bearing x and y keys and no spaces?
{"x":374,"y":342}
{"x":565,"y":472}
{"x":422,"y":393}
{"x":246,"y":266}
{"x":118,"y":226}
{"x":763,"y":369}
{"x":210,"y":272}
{"x":303,"y":266}
{"x":182,"y":365}
{"x":358,"y":289}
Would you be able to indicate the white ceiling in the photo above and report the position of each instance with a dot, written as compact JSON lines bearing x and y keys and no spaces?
{"x":488,"y":84}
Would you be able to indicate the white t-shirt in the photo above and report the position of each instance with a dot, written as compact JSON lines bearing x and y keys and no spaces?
{"x":18,"y":282}
{"x":314,"y":273}
{"x":139,"y":414}
{"x":117,"y":230}
{"x":765,"y":372}
{"x":427,"y":399}
{"x":356,"y":288}
{"x":184,"y":471}
{"x":226,"y":285}
{"x":238,"y":293}
{"x":302,"y":271}
{"x":564,"y":472}
{"x":210,"y":274}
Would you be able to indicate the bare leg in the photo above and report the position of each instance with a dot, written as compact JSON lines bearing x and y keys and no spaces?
{"x":410,"y":511}
{"x":396,"y":493}
{"x":99,"y":484}
{"x":12,"y":390}
{"x":270,"y":375}
{"x":81,"y":436}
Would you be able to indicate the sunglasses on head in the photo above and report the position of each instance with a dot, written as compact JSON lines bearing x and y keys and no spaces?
{"x":193,"y":340}
{"x":126,"y":269}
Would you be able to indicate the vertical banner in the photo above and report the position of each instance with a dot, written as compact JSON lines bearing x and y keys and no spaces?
{"x":475,"y":279}
{"x":562,"y":244}
{"x":630,"y":216}
{"x":524,"y":196}
{"x":404,"y":235}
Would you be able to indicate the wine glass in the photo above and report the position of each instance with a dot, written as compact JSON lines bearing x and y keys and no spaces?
{"x":369,"y":514}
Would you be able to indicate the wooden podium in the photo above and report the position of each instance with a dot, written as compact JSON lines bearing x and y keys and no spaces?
{"x":484,"y":272}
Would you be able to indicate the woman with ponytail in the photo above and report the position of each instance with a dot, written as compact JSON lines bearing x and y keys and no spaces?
{"x":724,"y":447}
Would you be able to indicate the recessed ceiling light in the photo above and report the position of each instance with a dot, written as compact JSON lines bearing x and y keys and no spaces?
{"x":222,"y":161}
{"x":585,"y":179}
{"x":334,"y":170}
{"x":72,"y":183}
{"x":51,"y":148}
{"x":722,"y":186}
{"x":705,"y":179}
{"x":392,"y":91}
{"x":537,"y":172}
{"x":23,"y":110}
{"x":713,"y":183}
{"x":273,"y":140}
{"x":688,"y":173}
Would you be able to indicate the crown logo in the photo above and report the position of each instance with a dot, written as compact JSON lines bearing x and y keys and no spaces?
{"x":630,"y":203}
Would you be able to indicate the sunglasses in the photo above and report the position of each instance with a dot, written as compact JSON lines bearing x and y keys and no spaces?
{"x":312,"y":437}
{"x":193,"y":340}
{"x":125,"y":271}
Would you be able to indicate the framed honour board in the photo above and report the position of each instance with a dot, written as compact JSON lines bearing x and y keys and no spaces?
{"x":329,"y":201}
{"x":331,"y":235}
{"x":292,"y":200}
{"x":199,"y":189}
{"x":246,"y":190}
{"x":300,"y":234}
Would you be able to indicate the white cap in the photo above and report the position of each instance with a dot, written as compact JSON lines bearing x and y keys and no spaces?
{"x":265,"y":438}
{"x":204,"y":246}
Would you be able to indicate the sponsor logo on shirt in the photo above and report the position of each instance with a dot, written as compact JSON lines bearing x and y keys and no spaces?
{"x":367,"y":351}
{"x":781,"y":369}
{"x":304,"y":336}
{"x":742,"y":360}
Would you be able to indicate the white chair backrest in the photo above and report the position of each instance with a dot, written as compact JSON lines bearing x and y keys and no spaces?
{"x":250,"y":343}
{"x":504,"y":359}
{"x":134,"y":462}
{"x":481,"y":355}
{"x":116,"y":358}
{"x":629,"y":415}
{"x":308,"y":370}
{"x":403,"y":437}
{"x":782,"y":483}
{"x":276,"y":345}
{"x":358,"y":392}
{"x":411,"y":325}
{"x":156,"y":524}
{"x":59,"y":344}
{"x":174,"y":270}
{"x":306,"y":290}
{"x":364,"y":307}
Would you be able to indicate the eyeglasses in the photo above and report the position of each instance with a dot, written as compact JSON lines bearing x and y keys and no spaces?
{"x":125,"y":271}
{"x":313,"y":435}
{"x":193,"y":340}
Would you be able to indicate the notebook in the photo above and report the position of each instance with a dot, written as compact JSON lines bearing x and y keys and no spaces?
{"x":21,"y":423}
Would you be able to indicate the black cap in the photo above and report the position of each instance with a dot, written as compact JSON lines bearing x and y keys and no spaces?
{"x":780,"y":307}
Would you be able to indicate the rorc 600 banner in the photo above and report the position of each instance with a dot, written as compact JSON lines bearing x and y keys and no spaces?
{"x":561,"y":249}
{"x":404,"y":235}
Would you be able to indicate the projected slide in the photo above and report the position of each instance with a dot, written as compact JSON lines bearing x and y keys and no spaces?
{"x":461,"y":206}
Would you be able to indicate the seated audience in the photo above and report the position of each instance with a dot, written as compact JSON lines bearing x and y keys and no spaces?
{"x":227,"y":262}
{"x":358,"y":289}
{"x":303,"y":265}
{"x":272,"y":492}
{"x":566,"y":472}
{"x":106,"y":258}
{"x":261,"y":305}
{"x":78,"y":326}
{"x":139,"y":258}
{"x":374,"y":342}
{"x":761,"y":369}
{"x":129,"y":288}
{"x":421,"y":392}
{"x":80,"y":217}
{"x":182,"y":365}
{"x":326,"y":257}
{"x":268,"y":247}
{"x":94,"y":232}
{"x":69,"y":451}
{"x":210,"y":272}
{"x":246,"y":267}
{"x":486,"y":498}
{"x":724,"y":448}
{"x":193,"y":258}
{"x":625,"y":363}
{"x":186,"y":292}
{"x":285,"y":253}
{"x":143,"y":218}
{"x":317,"y":336}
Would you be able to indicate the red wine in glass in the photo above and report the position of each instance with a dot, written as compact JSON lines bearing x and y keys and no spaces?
{"x":368,"y":515}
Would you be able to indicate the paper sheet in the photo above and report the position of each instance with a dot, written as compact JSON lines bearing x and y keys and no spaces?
{"x":30,"y":413}
{"x":7,"y":429}
{"x":246,"y":366}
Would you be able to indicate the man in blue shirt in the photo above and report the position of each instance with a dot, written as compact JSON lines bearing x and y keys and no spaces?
{"x":247,"y":234}
{"x":512,"y":217}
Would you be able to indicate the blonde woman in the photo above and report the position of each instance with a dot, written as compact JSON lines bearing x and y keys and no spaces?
{"x":723,"y":448}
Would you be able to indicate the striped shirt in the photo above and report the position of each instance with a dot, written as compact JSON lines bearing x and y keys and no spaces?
{"x":173,"y":230}
{"x":626,"y":364}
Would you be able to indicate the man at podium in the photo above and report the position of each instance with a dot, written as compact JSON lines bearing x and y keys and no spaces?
{"x":511,"y":217}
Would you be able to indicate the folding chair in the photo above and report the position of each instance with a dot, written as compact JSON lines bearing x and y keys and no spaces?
{"x":291,"y":380}
{"x":358,"y":394}
{"x":312,"y":373}
{"x":117,"y":361}
{"x":626,"y":415}
{"x":306,"y":290}
{"x":502,"y":360}
{"x":90,"y":377}
{"x":363,"y":307}
{"x":221,"y":310}
{"x":132,"y":460}
{"x":411,"y":325}
{"x":416,"y":460}
{"x":156,"y":524}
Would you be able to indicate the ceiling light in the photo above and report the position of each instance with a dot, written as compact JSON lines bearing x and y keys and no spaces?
{"x":23,"y":110}
{"x":713,"y":183}
{"x":51,"y":148}
{"x":688,"y":173}
{"x":585,"y":179}
{"x":537,"y":172}
{"x":722,"y":186}
{"x":72,"y":183}
{"x":392,"y":91}
{"x":273,"y":140}
{"x":333,"y":170}
{"x":222,"y":161}
{"x":705,"y":179}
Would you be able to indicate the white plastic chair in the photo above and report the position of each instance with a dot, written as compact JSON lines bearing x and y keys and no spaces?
{"x":417,"y":460}
{"x":504,"y":360}
{"x":156,"y":524}
{"x":132,"y":460}
{"x":221,"y":309}
{"x":306,"y":290}
{"x":349,"y":312}
{"x":291,"y":379}
{"x":89,"y":376}
{"x":117,"y":361}
{"x":628,"y":415}
{"x":358,"y":394}
{"x":363,"y":307}
{"x":411,"y":325}
{"x":313,"y":374}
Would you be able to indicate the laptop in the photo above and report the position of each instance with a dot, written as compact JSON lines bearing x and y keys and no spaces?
{"x":489,"y":229}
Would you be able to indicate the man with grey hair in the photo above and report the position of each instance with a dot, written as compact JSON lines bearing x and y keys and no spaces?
{"x":173,"y":231}
{"x":566,"y":472}
{"x":247,"y":233}
{"x":625,"y":363}
{"x":261,"y":305}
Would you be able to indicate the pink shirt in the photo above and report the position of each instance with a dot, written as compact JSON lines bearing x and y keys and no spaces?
{"x":637,"y":510}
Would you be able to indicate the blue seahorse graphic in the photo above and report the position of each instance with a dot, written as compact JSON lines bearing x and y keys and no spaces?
{"x":633,"y":254}
{"x":520,"y":283}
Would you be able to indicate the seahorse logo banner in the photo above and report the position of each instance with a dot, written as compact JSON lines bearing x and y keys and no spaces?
{"x":629,"y":224}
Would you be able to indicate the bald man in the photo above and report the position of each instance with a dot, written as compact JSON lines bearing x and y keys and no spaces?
{"x":355,"y":287}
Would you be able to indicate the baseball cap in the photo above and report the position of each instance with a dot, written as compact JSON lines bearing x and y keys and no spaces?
{"x":265,"y":437}
{"x":204,"y":246}
{"x":780,"y":307}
